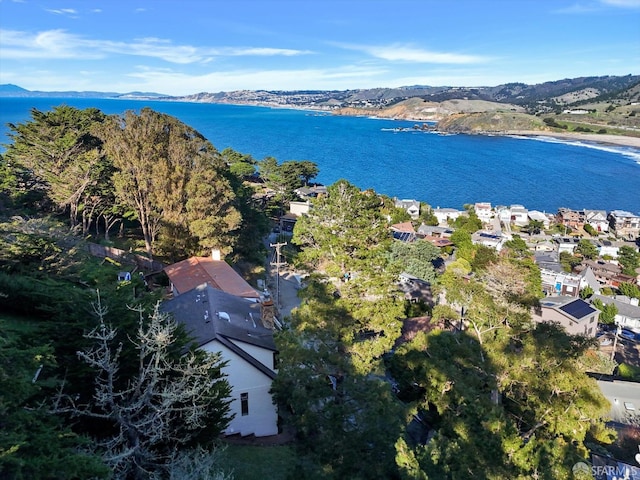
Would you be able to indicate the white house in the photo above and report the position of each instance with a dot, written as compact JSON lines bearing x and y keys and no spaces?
{"x":628,"y":315}
{"x":488,"y":239}
{"x":299,"y":208}
{"x":412,"y":207}
{"x":483,"y":211}
{"x":232,"y":325}
{"x":540,"y":217}
{"x":560,"y":283}
{"x":567,"y":244}
{"x":607,"y":247}
{"x":597,"y":219}
{"x":519,"y":215}
{"x":443,"y":214}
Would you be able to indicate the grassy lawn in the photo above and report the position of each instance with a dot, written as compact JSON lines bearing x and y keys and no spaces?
{"x":249,"y":462}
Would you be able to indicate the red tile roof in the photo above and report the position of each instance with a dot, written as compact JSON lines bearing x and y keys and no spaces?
{"x":195,"y":271}
{"x":403,"y":227}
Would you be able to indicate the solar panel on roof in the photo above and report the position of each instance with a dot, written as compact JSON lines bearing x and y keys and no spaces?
{"x":403,"y":236}
{"x":578,"y":309}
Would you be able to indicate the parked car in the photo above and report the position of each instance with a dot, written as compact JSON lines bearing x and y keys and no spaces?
{"x":628,"y":334}
{"x":630,"y":406}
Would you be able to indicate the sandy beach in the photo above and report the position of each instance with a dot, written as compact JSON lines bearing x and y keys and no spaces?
{"x":617,"y":140}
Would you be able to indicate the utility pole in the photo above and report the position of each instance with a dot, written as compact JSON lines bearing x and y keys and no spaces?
{"x":615,"y":341}
{"x":277,"y":263}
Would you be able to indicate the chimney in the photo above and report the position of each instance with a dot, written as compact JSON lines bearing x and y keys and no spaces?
{"x":268,"y":313}
{"x":215,"y":254}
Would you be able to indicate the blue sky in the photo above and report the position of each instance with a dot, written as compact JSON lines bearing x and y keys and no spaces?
{"x":179,"y":47}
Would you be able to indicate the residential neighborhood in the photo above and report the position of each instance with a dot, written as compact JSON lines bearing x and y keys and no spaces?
{"x":313,"y":320}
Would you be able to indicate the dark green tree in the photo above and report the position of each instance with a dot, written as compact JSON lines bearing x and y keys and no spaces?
{"x":629,"y":289}
{"x":484,"y":256}
{"x":469,"y":222}
{"x":168,"y":402}
{"x":568,"y":261}
{"x":608,"y":311}
{"x":534,"y":227}
{"x":415,"y":258}
{"x":174,"y":180}
{"x":586,"y":292}
{"x":629,"y":259}
{"x":587,"y":249}
{"x":34,"y":443}
{"x":343,"y":232}
{"x":61,"y":152}
{"x":427,"y":216}
{"x":346,"y":417}
{"x":241,"y":165}
{"x":517,"y":247}
{"x":465,"y":249}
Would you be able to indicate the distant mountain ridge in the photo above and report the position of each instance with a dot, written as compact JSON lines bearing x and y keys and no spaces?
{"x":570,"y":91}
{"x":601,"y":104}
{"x":11,"y":90}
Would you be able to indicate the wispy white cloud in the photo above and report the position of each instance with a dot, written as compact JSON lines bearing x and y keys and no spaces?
{"x":262,"y":52}
{"x":578,"y":8}
{"x":52,"y":44}
{"x":69,"y":12}
{"x":622,"y":3}
{"x":174,"y":82}
{"x":410,"y":54}
{"x":180,"y":83}
{"x":587,"y":6}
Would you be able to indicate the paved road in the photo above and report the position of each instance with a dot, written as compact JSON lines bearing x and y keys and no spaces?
{"x":619,"y":393}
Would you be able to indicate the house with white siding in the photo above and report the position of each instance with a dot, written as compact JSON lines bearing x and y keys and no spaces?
{"x":412,"y":207}
{"x":597,"y":219}
{"x":234,"y":326}
{"x":539,"y":217}
{"x":628,"y":315}
{"x":444,"y":214}
{"x":483,"y":211}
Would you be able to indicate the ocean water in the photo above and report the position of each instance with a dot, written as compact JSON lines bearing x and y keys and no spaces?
{"x":444,"y":171}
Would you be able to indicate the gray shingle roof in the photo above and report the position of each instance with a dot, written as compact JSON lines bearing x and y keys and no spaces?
{"x":210,"y":314}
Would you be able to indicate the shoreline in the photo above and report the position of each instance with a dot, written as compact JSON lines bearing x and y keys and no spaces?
{"x":604,"y":139}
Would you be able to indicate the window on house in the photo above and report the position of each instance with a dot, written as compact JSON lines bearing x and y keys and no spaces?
{"x":590,"y":331}
{"x":244,"y":403}
{"x":592,"y":319}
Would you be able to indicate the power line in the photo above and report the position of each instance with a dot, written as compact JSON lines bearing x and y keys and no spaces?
{"x":278,"y":262}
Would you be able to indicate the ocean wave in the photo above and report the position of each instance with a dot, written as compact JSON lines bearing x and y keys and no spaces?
{"x":628,"y":152}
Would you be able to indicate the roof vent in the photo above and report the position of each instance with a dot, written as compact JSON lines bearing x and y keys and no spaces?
{"x":224,"y":316}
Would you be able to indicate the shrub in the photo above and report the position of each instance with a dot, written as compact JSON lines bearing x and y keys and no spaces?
{"x":629,"y":371}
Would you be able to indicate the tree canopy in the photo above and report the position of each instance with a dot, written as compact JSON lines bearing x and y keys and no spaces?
{"x":60,"y":152}
{"x":174,"y":180}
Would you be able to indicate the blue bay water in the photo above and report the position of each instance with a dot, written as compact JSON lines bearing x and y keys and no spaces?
{"x":445,"y":171}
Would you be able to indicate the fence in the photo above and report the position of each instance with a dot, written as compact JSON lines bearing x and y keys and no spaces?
{"x":143,"y":263}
